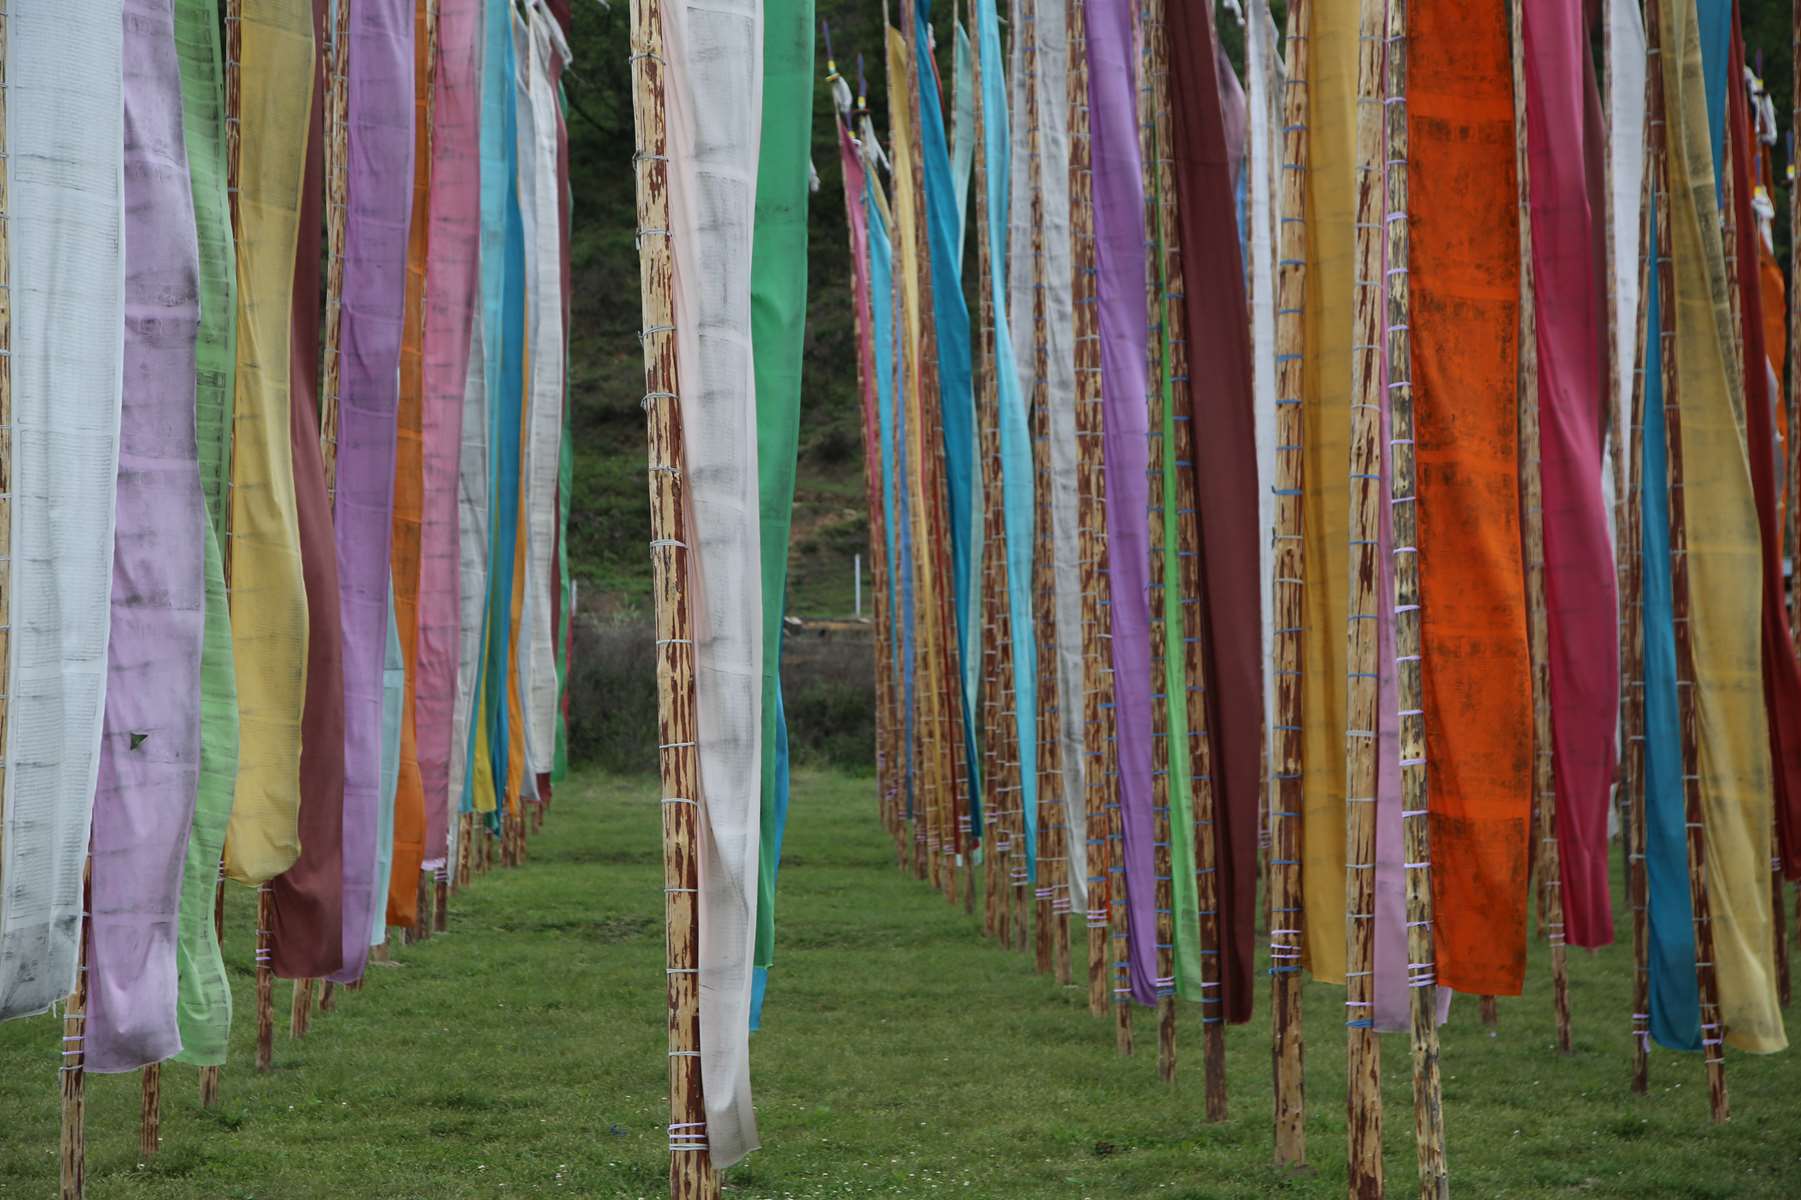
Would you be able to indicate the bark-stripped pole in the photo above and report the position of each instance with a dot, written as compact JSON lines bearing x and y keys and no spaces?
{"x":1204,"y":834}
{"x":1051,"y":890}
{"x":265,"y":978}
{"x":1544,"y":784}
{"x":1410,"y":696}
{"x":150,"y":1114}
{"x":301,"y":1010}
{"x":691,"y":1173}
{"x":1632,"y":537}
{"x":74,"y":1147}
{"x":1151,"y":149}
{"x":1289,"y":590}
{"x":1091,"y":501}
{"x":337,"y":174}
{"x":1000,"y":751}
{"x":1362,"y":1049}
{"x":1712,"y":1030}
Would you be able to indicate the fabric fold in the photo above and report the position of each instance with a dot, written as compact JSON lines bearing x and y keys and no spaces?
{"x":203,"y":995}
{"x":378,"y":204}
{"x":305,"y":939}
{"x":150,"y":734}
{"x":1119,"y":233}
{"x":1582,"y":606}
{"x":1464,"y":264}
{"x":1723,"y":549}
{"x":263,"y":567}
{"x":778,"y":318}
{"x":1222,"y":412}
{"x":714,"y":92}
{"x":452,"y":280}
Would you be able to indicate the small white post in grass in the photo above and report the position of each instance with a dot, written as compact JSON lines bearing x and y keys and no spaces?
{"x":857,"y":577}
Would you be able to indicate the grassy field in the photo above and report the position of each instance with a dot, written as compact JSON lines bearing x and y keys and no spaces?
{"x":901,"y":1056}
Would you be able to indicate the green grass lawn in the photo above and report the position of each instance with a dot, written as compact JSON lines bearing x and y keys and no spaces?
{"x":901,"y":1056}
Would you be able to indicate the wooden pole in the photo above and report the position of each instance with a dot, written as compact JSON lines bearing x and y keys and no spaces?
{"x":1289,"y":590}
{"x":150,"y":1112}
{"x":328,"y":996}
{"x":1632,"y":537}
{"x":936,"y":729}
{"x":466,"y":848}
{"x":73,"y":1076}
{"x":441,"y":911}
{"x":1000,"y":749}
{"x":265,"y":978}
{"x":1051,"y":943}
{"x":1712,"y":1031}
{"x":1151,"y":149}
{"x":301,"y":1010}
{"x":1544,"y":784}
{"x":691,"y":1173}
{"x":337,"y":174}
{"x":1092,"y":520}
{"x":1362,"y":1049}
{"x":1409,"y":649}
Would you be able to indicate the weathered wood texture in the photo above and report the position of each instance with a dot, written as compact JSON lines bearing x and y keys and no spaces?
{"x":1288,"y":587}
{"x":691,"y":1174}
{"x":1362,"y":1049}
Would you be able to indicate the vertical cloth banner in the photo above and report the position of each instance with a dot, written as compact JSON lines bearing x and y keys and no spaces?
{"x":504,"y":358}
{"x":1120,"y":244}
{"x":544,"y":441}
{"x":1051,"y":28}
{"x":1225,"y":472}
{"x":714,"y":93}
{"x":956,"y":396}
{"x":305,"y":939}
{"x":1781,"y":673}
{"x":1013,"y":386}
{"x":1331,"y":213}
{"x":1582,"y":607}
{"x":778,"y":320}
{"x":203,"y":995}
{"x":1626,"y":158}
{"x":1264,"y":75}
{"x":380,"y":130}
{"x":263,"y":567}
{"x":399,"y":889}
{"x":906,"y":258}
{"x":452,"y":277}
{"x":963,"y":127}
{"x":471,"y":774}
{"x":67,"y":312}
{"x":1465,"y":346}
{"x":1723,"y":553}
{"x":150,"y":734}
{"x":1675,"y":996}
